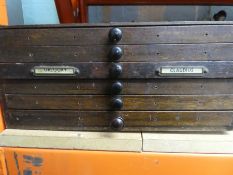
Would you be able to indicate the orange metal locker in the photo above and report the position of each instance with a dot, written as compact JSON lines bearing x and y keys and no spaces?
{"x":3,"y":13}
{"x":2,"y":125}
{"x":64,"y":162}
{"x":3,"y":170}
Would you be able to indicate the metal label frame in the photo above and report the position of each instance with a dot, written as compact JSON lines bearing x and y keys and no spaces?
{"x":191,"y":71}
{"x":41,"y":71}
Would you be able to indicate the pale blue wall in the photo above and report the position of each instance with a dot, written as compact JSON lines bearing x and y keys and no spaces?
{"x":39,"y":12}
{"x":32,"y":12}
{"x":15,"y":12}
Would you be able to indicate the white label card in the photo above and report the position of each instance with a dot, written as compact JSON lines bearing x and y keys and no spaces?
{"x":54,"y":71}
{"x":182,"y":71}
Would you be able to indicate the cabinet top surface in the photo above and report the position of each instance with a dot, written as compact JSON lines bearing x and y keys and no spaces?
{"x":121,"y":24}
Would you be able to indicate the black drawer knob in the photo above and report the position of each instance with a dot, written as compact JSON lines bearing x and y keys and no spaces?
{"x":117,"y":123}
{"x":117,"y":103}
{"x":116,"y":87}
{"x":115,"y":35}
{"x":116,"y":70}
{"x":116,"y":53}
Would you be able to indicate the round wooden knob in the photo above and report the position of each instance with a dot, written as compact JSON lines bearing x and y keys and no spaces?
{"x":116,"y":70}
{"x":116,"y":87}
{"x":116,"y":53}
{"x":115,"y":35}
{"x":117,"y":123}
{"x":117,"y":103}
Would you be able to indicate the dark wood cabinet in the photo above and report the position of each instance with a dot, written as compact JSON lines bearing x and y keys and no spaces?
{"x":118,"y":77}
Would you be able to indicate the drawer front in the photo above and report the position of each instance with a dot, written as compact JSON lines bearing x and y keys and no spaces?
{"x":131,"y":34}
{"x":150,"y":70}
{"x":161,"y":77}
{"x":133,"y":121}
{"x":129,"y":87}
{"x":148,"y":105}
{"x":130,"y":102}
{"x":131,"y":53}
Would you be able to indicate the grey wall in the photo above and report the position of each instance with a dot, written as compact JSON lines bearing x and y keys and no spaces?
{"x":44,"y":12}
{"x":228,"y":9}
{"x":155,"y":13}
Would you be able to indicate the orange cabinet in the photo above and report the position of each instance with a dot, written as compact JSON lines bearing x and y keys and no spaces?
{"x":71,"y":162}
{"x":3,"y":13}
{"x":2,"y":163}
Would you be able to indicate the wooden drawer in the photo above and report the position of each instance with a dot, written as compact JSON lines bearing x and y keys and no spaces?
{"x":157,"y":77}
{"x":133,"y":34}
{"x":150,"y":70}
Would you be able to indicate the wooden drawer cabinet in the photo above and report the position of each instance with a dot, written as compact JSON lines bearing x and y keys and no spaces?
{"x":124,"y":77}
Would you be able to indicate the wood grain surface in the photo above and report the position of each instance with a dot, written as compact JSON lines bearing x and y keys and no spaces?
{"x":100,"y":120}
{"x":131,"y":35}
{"x":131,"y":87}
{"x":131,"y":70}
{"x":131,"y":53}
{"x":131,"y":102}
{"x":151,"y":102}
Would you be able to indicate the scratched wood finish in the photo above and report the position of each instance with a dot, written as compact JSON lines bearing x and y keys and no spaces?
{"x":132,"y":53}
{"x":216,"y":69}
{"x":131,"y":35}
{"x":99,"y":120}
{"x":134,"y":102}
{"x":130,"y":87}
